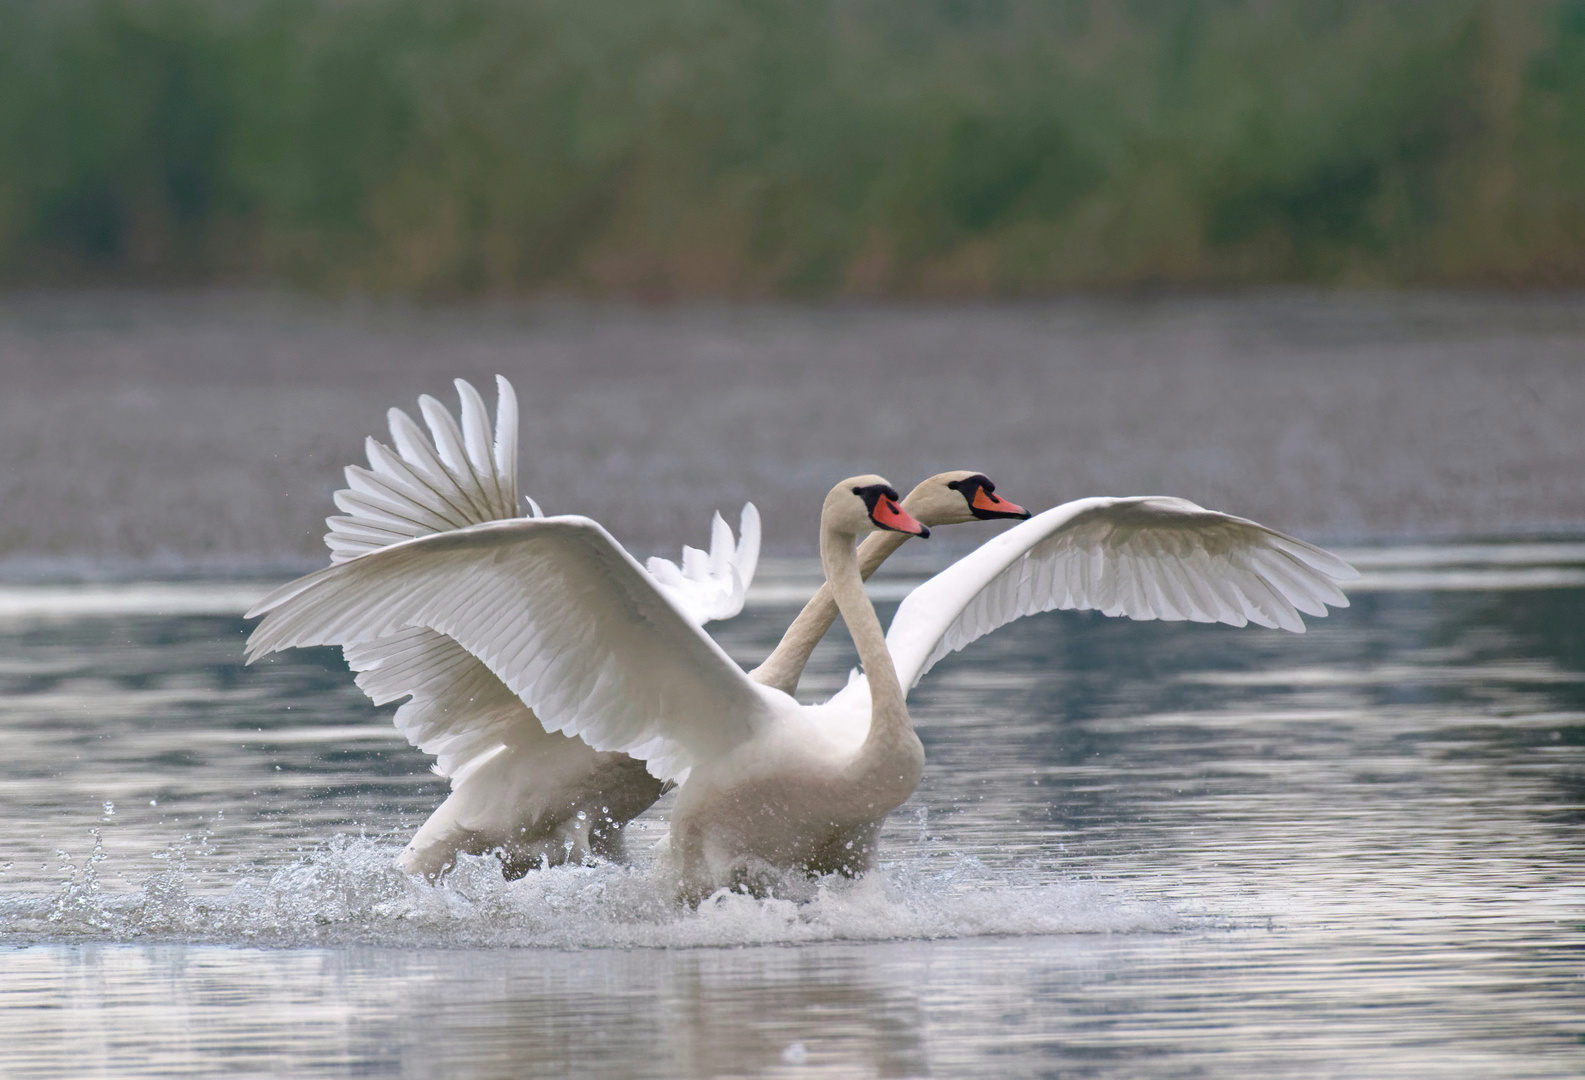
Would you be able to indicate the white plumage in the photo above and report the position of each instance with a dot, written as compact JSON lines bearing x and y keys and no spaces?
{"x":528,"y":801}
{"x":1147,"y":557}
{"x":556,"y":679}
{"x":559,"y":613}
{"x":463,"y":478}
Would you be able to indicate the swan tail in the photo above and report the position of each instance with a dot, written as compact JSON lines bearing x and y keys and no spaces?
{"x":711,"y":585}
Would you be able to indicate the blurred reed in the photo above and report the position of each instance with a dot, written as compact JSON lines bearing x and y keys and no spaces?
{"x":792,"y":147}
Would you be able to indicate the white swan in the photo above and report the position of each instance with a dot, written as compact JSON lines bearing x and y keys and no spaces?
{"x":542,"y":798}
{"x":537,"y":797}
{"x":574,"y":627}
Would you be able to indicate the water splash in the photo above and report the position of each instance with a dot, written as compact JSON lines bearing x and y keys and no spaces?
{"x":348,"y":892}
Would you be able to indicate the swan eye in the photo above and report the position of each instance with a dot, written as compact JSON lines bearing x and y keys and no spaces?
{"x":969,"y":486}
{"x":874,"y":493}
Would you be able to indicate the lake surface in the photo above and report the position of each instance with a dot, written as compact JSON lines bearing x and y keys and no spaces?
{"x":1140,"y":850}
{"x":162,"y":430}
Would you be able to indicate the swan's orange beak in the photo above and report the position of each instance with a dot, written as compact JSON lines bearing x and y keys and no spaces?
{"x":888,"y":515}
{"x":987,"y":505}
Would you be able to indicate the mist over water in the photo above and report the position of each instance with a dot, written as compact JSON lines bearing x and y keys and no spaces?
{"x":1139,"y":849}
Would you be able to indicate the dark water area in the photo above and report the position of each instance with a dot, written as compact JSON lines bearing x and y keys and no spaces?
{"x":1139,"y":849}
{"x":144,"y":434}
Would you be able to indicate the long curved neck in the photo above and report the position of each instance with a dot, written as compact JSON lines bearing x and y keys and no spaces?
{"x":785,"y":665}
{"x":888,"y":709}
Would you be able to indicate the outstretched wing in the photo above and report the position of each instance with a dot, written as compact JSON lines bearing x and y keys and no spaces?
{"x":461,"y":474}
{"x":1152,"y":557}
{"x":711,"y":586}
{"x":465,"y":476}
{"x":457,"y":710}
{"x":461,"y":713}
{"x":559,"y":613}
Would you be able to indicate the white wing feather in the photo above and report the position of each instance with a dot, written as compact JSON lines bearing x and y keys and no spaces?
{"x":711,"y":586}
{"x":464,"y":475}
{"x":457,"y":710}
{"x":559,"y":613}
{"x":462,"y":714}
{"x":453,"y":478}
{"x":1152,"y":557}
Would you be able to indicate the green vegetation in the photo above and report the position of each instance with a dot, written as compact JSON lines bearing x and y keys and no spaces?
{"x":759,"y":147}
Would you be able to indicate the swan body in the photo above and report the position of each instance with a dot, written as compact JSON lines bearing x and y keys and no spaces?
{"x":577,"y":630}
{"x":546,"y":798}
{"x":805,"y":791}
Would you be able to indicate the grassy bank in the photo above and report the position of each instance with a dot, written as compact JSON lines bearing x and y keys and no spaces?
{"x":913,"y":147}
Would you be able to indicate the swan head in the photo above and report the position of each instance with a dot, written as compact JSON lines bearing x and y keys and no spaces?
{"x":862,"y":504}
{"x":953,"y":498}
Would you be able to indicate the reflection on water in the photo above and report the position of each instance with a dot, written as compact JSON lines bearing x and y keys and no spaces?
{"x":1139,"y":850}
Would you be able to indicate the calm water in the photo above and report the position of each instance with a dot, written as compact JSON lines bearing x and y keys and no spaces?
{"x":1139,"y":850}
